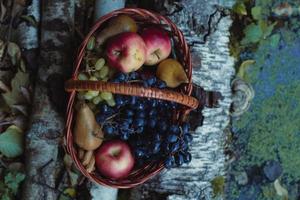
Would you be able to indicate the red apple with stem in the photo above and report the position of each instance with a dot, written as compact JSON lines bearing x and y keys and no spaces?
{"x":114,"y":159}
{"x":158,"y":45}
{"x":126,"y":52}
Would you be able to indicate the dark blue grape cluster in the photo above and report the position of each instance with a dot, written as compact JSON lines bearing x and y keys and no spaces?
{"x":147,"y":125}
{"x":147,"y":81}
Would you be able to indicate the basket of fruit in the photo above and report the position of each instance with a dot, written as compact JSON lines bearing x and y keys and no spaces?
{"x":130,"y":96}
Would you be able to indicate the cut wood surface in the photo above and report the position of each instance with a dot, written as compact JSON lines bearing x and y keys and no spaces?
{"x":206,"y":27}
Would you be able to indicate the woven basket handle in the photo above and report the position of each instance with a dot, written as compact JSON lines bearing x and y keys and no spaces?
{"x":132,"y":90}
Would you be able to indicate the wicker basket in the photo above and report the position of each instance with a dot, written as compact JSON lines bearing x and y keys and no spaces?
{"x":182,"y":96}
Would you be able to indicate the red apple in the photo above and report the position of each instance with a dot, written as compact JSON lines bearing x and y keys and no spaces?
{"x":114,"y":159}
{"x":158,"y":44}
{"x":126,"y":52}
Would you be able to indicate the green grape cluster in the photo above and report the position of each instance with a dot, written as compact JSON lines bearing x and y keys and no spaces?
{"x":100,"y":72}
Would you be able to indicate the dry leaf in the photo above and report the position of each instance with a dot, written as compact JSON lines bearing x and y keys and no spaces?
{"x":15,"y":96}
{"x":26,"y":94}
{"x":22,"y":65}
{"x":21,"y":109}
{"x":70,"y":191}
{"x":281,"y":191}
{"x":68,"y":161}
{"x":2,"y":48}
{"x":3,"y":11}
{"x":14,"y":52}
{"x":4,"y":87}
{"x":20,"y":121}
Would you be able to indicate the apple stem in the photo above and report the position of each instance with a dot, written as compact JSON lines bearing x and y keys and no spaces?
{"x":157,"y":54}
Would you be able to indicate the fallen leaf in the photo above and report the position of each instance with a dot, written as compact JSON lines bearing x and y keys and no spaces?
{"x":70,"y":191}
{"x":4,"y":87}
{"x":20,"y":121}
{"x":15,"y":96}
{"x":64,"y":197}
{"x":14,"y":52}
{"x":11,"y":142}
{"x":281,"y":191}
{"x":4,"y":108}
{"x":2,"y":48}
{"x":68,"y":161}
{"x":266,"y":28}
{"x":243,"y":68}
{"x":256,"y":12}
{"x":240,"y":8}
{"x":21,"y":109}
{"x":30,"y":19}
{"x":73,"y":177}
{"x":22,"y":65}
{"x":26,"y":94}
{"x":253,"y":33}
{"x":13,"y":180}
{"x":274,"y":40}
{"x":3,"y":11}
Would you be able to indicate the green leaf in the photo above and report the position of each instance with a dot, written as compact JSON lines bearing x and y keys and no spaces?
{"x":243,"y":68}
{"x":218,"y":185}
{"x":256,"y":12}
{"x":240,"y":8}
{"x":91,"y":43}
{"x":64,"y":197}
{"x":15,"y":96}
{"x":11,"y":142}
{"x":266,"y":29}
{"x":13,"y":180}
{"x":30,"y":19}
{"x":274,"y":40}
{"x":253,"y":34}
{"x":70,"y":191}
{"x":6,"y":195}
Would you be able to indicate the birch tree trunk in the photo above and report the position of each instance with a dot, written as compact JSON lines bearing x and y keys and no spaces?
{"x":206,"y":28}
{"x":44,"y":138}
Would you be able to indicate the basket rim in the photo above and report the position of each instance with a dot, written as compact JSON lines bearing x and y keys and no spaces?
{"x":70,"y":112}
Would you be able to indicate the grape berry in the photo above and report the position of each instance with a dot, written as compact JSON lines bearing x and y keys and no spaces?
{"x":146,"y":124}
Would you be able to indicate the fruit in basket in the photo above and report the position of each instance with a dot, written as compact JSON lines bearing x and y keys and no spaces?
{"x":114,"y":159}
{"x":126,"y":52}
{"x":87,"y":159}
{"x":172,"y":72}
{"x":117,"y":25}
{"x":87,"y":133}
{"x":158,"y":44}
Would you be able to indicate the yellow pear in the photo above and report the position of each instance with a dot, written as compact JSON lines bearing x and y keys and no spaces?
{"x":119,"y":24}
{"x":87,"y":133}
{"x":172,"y":72}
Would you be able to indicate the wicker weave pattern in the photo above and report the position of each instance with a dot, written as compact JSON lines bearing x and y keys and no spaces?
{"x":140,"y":175}
{"x":133,"y":90}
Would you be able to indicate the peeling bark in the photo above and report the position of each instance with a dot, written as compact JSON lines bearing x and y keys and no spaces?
{"x":206,"y":28}
{"x":44,"y":138}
